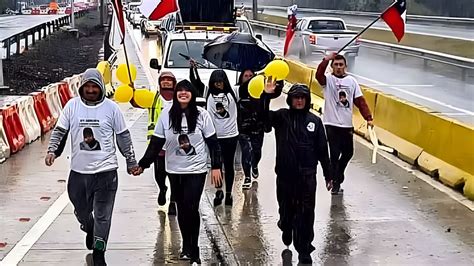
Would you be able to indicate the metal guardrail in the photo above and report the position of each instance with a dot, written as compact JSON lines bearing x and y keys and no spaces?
{"x":449,"y":20}
{"x":465,"y":64}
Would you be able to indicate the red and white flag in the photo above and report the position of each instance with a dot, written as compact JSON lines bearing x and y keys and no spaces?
{"x":117,"y":4}
{"x":395,"y":17}
{"x":290,"y":28}
{"x":156,"y":9}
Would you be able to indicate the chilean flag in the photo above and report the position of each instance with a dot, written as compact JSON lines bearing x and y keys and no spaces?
{"x":395,"y":17}
{"x":290,"y":31}
{"x":157,"y":9}
{"x":117,"y":4}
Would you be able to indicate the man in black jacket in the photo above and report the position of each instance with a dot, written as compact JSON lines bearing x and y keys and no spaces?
{"x":301,"y":143}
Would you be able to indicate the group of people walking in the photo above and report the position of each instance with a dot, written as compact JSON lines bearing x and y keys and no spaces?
{"x":182,"y":136}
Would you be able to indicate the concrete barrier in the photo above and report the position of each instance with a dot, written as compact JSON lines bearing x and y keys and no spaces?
{"x":4,"y":147}
{"x":441,"y":147}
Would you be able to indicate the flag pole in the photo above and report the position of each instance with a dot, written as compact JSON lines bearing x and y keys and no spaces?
{"x":358,"y":34}
{"x":364,"y":30}
{"x":128,"y":65}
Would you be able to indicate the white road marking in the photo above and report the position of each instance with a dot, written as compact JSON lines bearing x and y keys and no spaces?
{"x":427,"y":179}
{"x":19,"y":251}
{"x":460,"y":110}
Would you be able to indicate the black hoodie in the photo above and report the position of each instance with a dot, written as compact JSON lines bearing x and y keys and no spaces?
{"x":300,"y":138}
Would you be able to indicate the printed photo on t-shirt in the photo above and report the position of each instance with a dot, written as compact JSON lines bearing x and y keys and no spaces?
{"x":89,"y":143}
{"x":343,"y":101}
{"x":222,"y":106}
{"x":185,"y":147}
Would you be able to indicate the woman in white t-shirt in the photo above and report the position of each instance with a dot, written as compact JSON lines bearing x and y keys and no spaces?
{"x":184,"y":130}
{"x":221,"y":103}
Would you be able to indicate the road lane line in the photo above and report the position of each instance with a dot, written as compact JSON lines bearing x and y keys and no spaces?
{"x":19,"y":251}
{"x":416,"y":95}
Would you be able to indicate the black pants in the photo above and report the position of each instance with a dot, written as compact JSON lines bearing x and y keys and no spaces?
{"x":251,"y":146}
{"x":160,"y":175}
{"x":228,"y":147}
{"x":188,"y":193}
{"x":93,"y":198}
{"x":296,"y":197}
{"x":341,"y":150}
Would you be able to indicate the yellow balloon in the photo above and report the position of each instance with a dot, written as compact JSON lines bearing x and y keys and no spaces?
{"x":256,"y":86}
{"x":144,"y":98}
{"x":278,"y":69}
{"x":123,"y":93}
{"x":122,"y":73}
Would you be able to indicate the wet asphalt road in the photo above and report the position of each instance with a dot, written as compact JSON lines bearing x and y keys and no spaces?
{"x":436,"y":86}
{"x":424,"y":28}
{"x":387,"y":216}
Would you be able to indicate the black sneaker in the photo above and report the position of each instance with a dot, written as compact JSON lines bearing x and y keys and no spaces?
{"x":219,"y":197}
{"x":337,"y":191}
{"x":286,"y":236}
{"x":247,"y":183}
{"x":255,"y":172}
{"x":90,"y":239}
{"x":305,"y":259}
{"x":195,"y":260}
{"x":228,"y":199}
{"x":172,"y":208}
{"x":99,"y":258}
{"x":162,"y":197}
{"x":184,"y":256}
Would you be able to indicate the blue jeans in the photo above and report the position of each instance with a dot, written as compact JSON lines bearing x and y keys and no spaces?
{"x":251,"y":146}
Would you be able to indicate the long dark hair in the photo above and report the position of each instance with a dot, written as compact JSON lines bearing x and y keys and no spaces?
{"x":216,"y":76}
{"x":241,"y":76}
{"x":191,"y":112}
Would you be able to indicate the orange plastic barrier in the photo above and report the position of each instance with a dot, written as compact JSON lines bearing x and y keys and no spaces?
{"x":13,"y":128}
{"x":52,"y":98}
{"x":64,"y":93}
{"x":42,"y":111}
{"x":28,"y":118}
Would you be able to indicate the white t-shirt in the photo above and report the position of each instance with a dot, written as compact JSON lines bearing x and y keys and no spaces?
{"x":92,"y":130}
{"x":186,"y":151}
{"x":339,"y":95}
{"x":223,"y":110}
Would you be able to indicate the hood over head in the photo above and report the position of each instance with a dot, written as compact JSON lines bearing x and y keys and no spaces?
{"x":296,"y":90}
{"x":92,"y":75}
{"x":167,"y":94}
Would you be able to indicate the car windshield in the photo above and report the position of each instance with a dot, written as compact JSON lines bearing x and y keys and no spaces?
{"x":323,"y":25}
{"x":196,"y":48}
{"x":243,"y":26}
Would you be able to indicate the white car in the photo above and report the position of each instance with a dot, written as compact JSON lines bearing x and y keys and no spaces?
{"x":244,"y":26}
{"x":135,"y":19}
{"x":150,"y":27}
{"x":172,"y":61}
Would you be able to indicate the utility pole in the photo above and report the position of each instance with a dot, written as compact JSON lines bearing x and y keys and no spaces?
{"x":72,"y":14}
{"x":254,"y":9}
{"x":102,"y":3}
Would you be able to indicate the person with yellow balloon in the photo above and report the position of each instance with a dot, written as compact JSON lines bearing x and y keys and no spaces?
{"x":155,"y":103}
{"x":251,"y":127}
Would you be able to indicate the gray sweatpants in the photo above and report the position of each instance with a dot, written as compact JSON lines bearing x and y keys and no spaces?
{"x":93,"y":197}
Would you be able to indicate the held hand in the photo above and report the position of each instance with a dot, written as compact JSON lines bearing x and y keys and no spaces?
{"x":330,"y":56}
{"x":49,"y":159}
{"x":270,"y":85}
{"x":329,"y":185}
{"x":216,"y":177}
{"x":192,"y":63}
{"x":137,"y":171}
{"x":370,"y":123}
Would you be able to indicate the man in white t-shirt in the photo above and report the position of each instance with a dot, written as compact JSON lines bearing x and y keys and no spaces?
{"x":341,"y":93}
{"x":94,"y":123}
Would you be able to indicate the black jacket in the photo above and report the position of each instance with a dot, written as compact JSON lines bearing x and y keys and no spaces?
{"x":249,"y":120}
{"x":300,"y":140}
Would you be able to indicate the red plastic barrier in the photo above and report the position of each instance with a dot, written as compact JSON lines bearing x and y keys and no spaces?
{"x":64,"y":93}
{"x":13,"y":128}
{"x":43,"y":113}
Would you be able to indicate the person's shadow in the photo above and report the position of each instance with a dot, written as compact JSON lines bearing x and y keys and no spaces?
{"x":336,"y":250}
